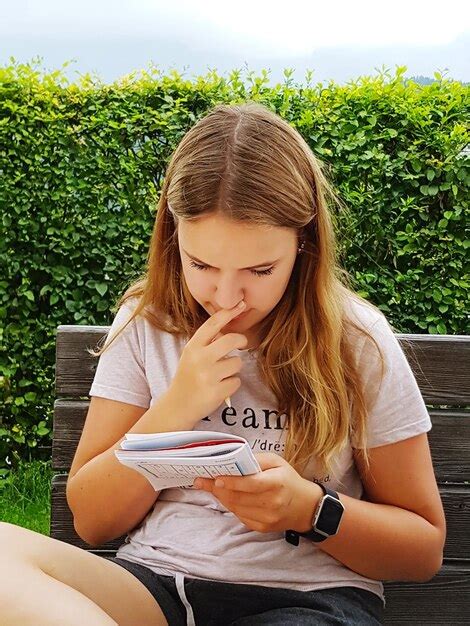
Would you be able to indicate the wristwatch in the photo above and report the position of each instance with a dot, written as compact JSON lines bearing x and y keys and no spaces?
{"x":325,"y":521}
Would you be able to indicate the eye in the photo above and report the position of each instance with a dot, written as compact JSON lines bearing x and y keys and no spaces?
{"x":262,"y":272}
{"x":255,"y":272}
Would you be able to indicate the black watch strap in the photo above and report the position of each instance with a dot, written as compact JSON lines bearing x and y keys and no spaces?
{"x":293,"y":537}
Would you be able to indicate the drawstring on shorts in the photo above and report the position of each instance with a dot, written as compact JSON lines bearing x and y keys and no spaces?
{"x":179,"y":578}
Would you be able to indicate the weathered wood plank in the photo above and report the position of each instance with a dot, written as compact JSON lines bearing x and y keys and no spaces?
{"x":443,"y":600}
{"x":456,"y":502}
{"x":75,"y":367}
{"x":441,"y":363}
{"x":449,"y":439}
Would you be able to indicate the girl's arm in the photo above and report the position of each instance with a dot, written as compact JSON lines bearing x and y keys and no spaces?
{"x":399,"y":533}
{"x":107,"y":498}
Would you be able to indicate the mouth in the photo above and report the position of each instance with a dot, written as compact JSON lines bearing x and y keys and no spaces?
{"x":240,"y":316}
{"x":237,"y":317}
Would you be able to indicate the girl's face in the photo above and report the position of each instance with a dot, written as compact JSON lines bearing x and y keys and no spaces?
{"x":225,"y":261}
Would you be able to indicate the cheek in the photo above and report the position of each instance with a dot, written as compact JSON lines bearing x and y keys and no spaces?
{"x":199,"y":286}
{"x":197,"y":282}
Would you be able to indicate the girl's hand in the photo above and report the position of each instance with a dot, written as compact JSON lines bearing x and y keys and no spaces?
{"x":205,"y":376}
{"x":276,"y":499}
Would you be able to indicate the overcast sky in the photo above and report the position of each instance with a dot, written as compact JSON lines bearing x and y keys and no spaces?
{"x":339,"y":40}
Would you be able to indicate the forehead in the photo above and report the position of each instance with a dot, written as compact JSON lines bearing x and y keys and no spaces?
{"x":208,"y":227}
{"x":221,"y":243}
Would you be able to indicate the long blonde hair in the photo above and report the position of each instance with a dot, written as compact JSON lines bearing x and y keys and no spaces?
{"x":248,"y":164}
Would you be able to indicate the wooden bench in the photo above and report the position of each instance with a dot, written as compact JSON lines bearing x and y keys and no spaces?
{"x":442,"y":367}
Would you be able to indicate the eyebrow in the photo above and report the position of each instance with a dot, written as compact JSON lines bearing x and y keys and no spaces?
{"x":243,"y":268}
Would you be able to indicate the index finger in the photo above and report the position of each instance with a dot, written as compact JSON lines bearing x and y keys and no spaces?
{"x":252,"y":483}
{"x":208,"y":331}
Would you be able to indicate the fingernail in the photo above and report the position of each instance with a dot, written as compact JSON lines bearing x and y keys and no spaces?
{"x":241,"y":304}
{"x":219,"y":482}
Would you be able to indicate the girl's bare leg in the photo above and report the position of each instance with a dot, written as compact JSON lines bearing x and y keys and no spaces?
{"x":46,"y":582}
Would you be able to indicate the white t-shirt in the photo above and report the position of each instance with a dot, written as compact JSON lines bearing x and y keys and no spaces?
{"x":188,"y":532}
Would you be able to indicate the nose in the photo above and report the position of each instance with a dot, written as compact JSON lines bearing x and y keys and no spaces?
{"x":228,"y":293}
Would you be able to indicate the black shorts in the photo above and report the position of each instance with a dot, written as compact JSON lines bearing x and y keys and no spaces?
{"x":212,"y":603}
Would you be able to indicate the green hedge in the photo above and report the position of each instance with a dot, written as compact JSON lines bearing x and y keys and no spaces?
{"x":82,"y":165}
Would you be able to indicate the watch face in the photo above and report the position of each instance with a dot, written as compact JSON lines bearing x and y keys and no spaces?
{"x":329,"y":516}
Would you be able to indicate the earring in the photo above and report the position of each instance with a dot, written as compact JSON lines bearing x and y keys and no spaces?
{"x":301,"y":249}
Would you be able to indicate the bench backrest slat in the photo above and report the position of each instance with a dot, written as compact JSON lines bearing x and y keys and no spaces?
{"x":449,"y":439}
{"x":441,"y":364}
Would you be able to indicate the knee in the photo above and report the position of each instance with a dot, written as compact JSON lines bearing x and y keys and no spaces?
{"x":10,"y":542}
{"x":7,"y":532}
{"x":12,"y":537}
{"x":14,"y":572}
{"x":16,"y":556}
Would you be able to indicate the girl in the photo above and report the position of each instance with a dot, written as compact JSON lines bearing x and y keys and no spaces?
{"x":243,"y":297}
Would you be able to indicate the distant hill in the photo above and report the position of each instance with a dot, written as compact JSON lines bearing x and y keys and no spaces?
{"x":425,"y":80}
